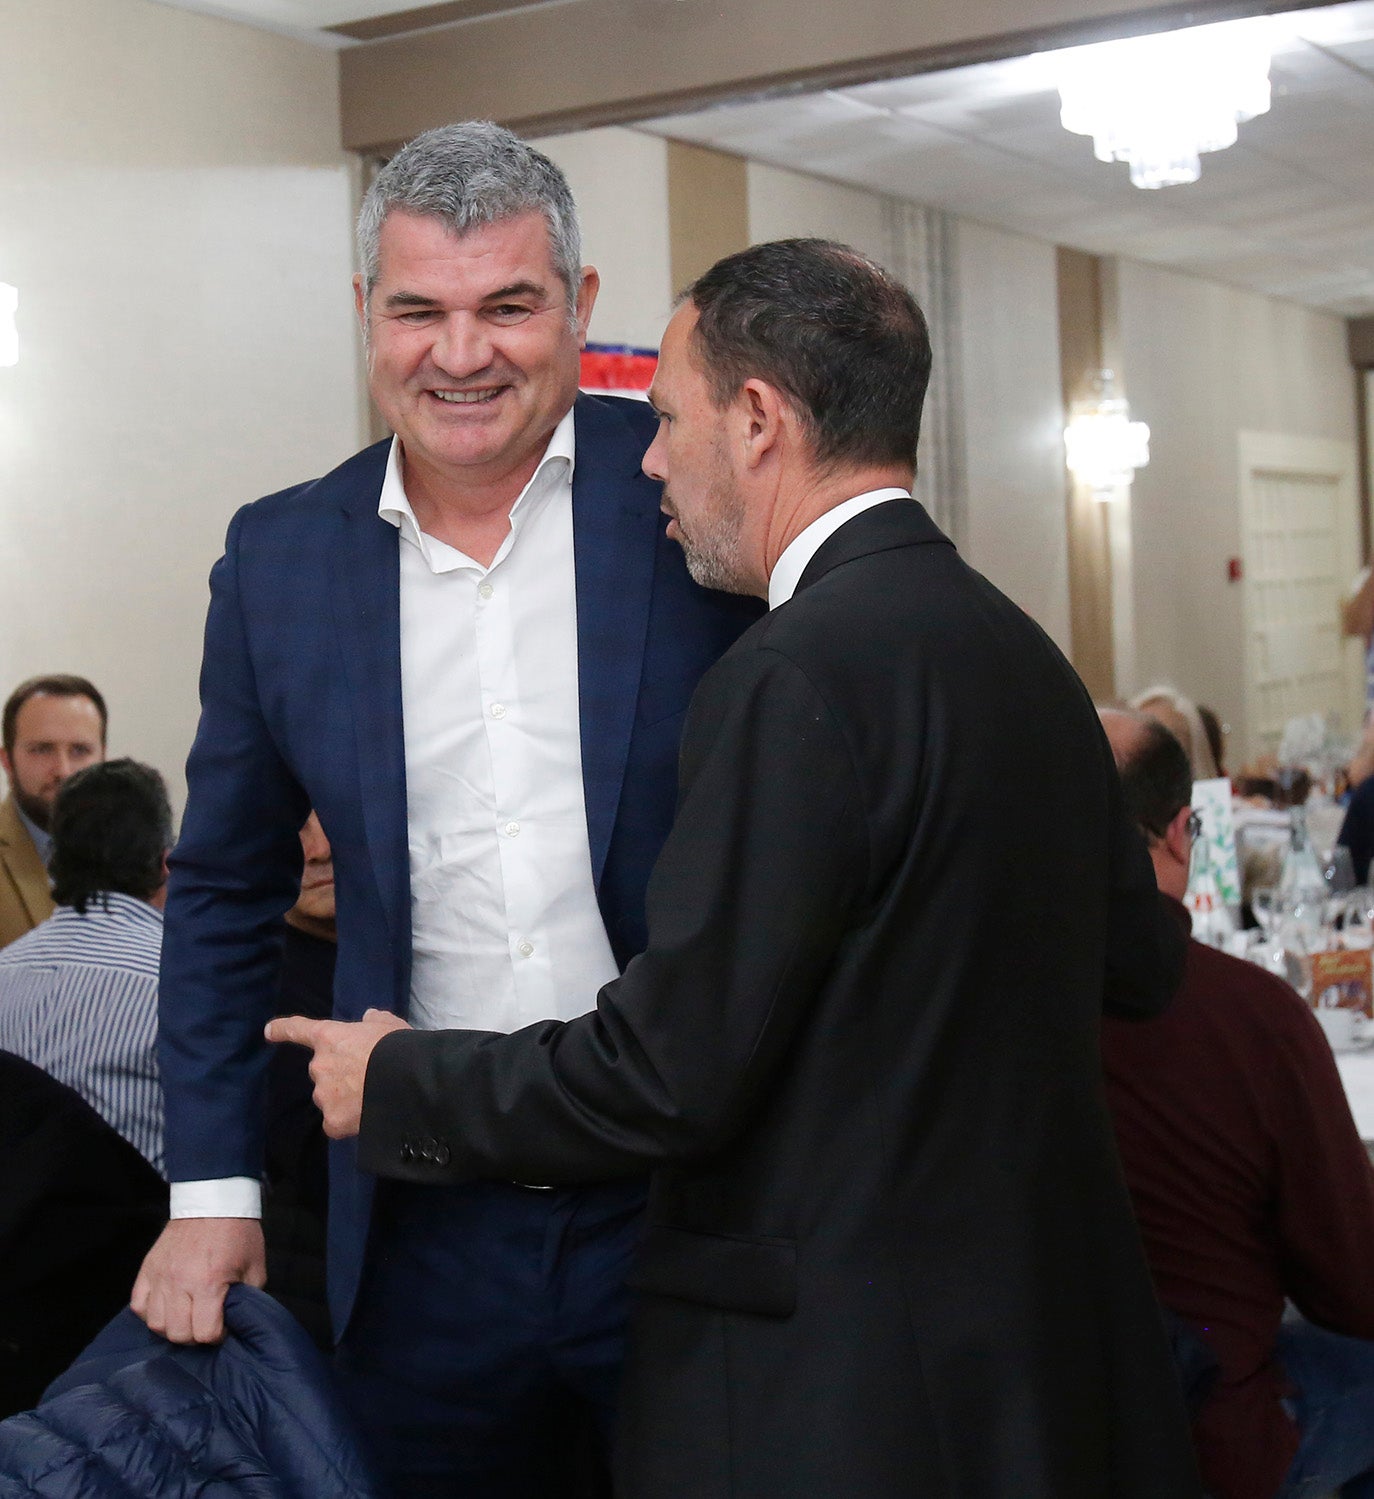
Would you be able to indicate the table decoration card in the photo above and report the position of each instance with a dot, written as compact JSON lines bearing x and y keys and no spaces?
{"x":1212,"y":803}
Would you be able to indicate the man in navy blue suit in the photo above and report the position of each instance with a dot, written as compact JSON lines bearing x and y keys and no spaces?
{"x":470,"y":649}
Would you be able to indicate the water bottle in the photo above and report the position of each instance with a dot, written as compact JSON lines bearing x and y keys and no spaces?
{"x":1302,"y":886}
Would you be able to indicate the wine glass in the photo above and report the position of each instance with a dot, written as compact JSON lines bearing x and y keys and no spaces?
{"x":1264,"y":903}
{"x":1338,"y":870}
{"x":1290,"y":952}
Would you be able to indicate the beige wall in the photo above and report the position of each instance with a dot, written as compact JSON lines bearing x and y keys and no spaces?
{"x":1202,"y":363}
{"x":176,"y":214}
{"x":1014,"y":421}
{"x":1009,"y":346}
{"x":620,"y":180}
{"x":785,"y":204}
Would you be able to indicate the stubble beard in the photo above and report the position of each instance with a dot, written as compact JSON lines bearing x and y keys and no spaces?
{"x":35,"y":808}
{"x":713,"y":552}
{"x":715,"y":565}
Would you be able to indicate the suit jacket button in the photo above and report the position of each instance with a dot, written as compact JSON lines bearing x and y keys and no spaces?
{"x":442,"y":1155}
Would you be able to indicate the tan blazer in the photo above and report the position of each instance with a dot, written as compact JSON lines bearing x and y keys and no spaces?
{"x":25,"y":896}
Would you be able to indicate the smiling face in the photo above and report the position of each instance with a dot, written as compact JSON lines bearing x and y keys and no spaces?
{"x":689,"y":454}
{"x":472,"y":355}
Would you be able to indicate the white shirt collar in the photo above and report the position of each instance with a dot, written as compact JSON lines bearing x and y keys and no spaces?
{"x":555,"y":469}
{"x":786,"y":574}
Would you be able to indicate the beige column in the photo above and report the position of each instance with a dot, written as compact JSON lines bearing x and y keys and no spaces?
{"x":1089,"y":533}
{"x":708,"y":209}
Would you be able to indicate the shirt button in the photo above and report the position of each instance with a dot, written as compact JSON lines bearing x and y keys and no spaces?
{"x":498,"y":710}
{"x":525,"y":949}
{"x":512,"y":828}
{"x":485,"y":590}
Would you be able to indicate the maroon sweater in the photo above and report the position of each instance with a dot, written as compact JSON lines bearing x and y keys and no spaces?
{"x":1251,"y":1185}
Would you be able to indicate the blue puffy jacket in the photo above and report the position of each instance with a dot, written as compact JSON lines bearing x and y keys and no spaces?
{"x":136,"y":1417}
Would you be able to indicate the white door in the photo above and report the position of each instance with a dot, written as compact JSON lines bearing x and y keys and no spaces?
{"x":1300,"y":545}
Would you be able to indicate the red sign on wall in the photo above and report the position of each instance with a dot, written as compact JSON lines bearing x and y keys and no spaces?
{"x":617,"y":368}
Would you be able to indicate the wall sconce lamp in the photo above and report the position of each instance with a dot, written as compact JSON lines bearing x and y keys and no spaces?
{"x":9,"y":332}
{"x":1104,"y":447}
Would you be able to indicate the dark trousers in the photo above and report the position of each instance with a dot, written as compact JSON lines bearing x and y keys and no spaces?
{"x":1333,"y":1404}
{"x":483,"y":1358}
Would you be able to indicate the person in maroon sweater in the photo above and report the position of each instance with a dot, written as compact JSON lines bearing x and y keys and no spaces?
{"x":1251,"y":1186}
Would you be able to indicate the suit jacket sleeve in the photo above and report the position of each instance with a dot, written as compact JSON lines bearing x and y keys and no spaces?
{"x":234,"y":872}
{"x":758,"y":881}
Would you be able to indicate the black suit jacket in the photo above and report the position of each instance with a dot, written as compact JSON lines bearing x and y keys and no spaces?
{"x":301,"y":707}
{"x":79,"y":1208}
{"x":889,"y":1251}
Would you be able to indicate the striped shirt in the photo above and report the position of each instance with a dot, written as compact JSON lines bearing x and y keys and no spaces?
{"x":78,"y":998}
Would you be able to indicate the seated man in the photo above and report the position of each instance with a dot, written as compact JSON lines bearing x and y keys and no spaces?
{"x":78,"y":994}
{"x":295,"y":1162}
{"x":1251,"y":1186}
{"x":295,"y":1166}
{"x":52,"y":726}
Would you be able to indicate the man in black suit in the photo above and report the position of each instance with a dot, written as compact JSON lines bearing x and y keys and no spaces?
{"x":889,"y":1251}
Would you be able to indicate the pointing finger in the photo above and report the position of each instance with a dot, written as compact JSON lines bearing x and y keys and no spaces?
{"x":300,"y":1030}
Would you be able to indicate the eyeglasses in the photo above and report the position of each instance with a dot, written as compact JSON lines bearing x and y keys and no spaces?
{"x":1193,"y":827}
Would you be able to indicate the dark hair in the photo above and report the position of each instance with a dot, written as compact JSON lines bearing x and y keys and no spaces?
{"x":111,"y":826}
{"x":59,"y":685}
{"x":1156,"y":777}
{"x":1216,"y":740}
{"x":842,"y":339}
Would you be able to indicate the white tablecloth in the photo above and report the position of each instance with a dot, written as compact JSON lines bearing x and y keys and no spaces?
{"x":1357,"y":1073}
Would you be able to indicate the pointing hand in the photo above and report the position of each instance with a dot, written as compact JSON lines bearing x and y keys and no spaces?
{"x":339,"y":1066}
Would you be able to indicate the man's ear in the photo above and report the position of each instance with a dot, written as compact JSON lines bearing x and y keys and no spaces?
{"x":763,"y":416}
{"x":359,"y":300}
{"x":587,"y":289}
{"x":1176,"y":838}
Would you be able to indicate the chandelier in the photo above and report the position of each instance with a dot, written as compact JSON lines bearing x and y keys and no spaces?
{"x":1158,"y":102}
{"x":1103,"y":446}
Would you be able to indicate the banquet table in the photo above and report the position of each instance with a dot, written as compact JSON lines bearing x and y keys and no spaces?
{"x":1357,"y":1073}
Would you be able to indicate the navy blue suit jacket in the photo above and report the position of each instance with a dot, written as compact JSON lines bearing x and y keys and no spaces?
{"x":301,"y":707}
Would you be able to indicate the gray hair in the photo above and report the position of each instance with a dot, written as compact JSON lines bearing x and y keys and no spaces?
{"x":469,"y":175}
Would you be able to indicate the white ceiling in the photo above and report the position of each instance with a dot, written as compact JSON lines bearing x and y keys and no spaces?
{"x":1288,"y":210}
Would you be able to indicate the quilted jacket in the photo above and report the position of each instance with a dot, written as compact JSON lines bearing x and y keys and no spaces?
{"x":138,"y":1418}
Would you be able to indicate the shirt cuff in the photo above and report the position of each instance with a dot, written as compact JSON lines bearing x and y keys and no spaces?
{"x":228,"y":1197}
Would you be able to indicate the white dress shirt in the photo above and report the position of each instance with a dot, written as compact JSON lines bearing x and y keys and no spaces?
{"x":787,"y":570}
{"x":505,"y":924}
{"x":504,"y":920}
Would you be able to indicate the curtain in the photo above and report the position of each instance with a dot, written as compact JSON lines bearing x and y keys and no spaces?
{"x":922,"y":251}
